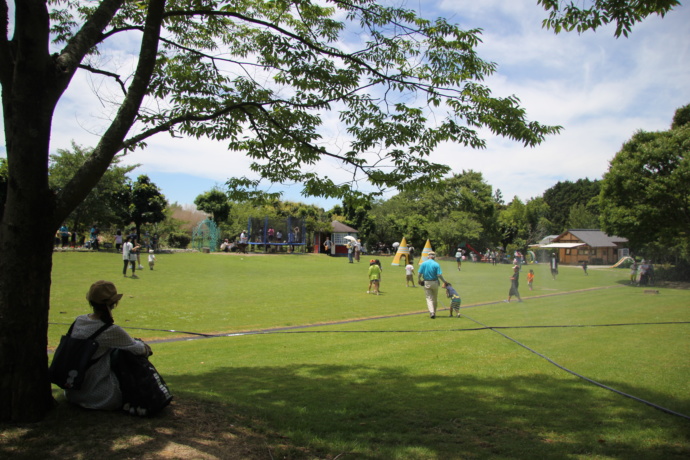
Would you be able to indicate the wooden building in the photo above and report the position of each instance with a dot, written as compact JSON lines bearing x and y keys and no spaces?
{"x":337,"y":236}
{"x":594,"y":246}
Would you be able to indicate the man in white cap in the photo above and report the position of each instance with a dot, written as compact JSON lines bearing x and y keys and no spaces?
{"x":429,"y":275}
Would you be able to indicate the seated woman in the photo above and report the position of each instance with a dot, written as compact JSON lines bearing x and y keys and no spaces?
{"x":101,"y":389}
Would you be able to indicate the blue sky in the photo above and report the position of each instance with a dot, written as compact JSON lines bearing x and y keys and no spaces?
{"x":599,"y":88}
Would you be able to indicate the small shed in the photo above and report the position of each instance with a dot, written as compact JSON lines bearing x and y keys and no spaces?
{"x":340,"y":231}
{"x":575,"y":246}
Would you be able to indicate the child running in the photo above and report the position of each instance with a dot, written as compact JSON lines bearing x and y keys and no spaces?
{"x":374,"y":277}
{"x":455,"y":300}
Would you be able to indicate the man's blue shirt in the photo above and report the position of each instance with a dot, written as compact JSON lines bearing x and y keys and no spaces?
{"x":430,"y":270}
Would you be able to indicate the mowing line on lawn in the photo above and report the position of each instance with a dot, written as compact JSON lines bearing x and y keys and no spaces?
{"x":201,"y":335}
{"x":599,"y":384}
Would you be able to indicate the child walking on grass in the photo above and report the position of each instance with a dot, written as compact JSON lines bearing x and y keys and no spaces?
{"x":152,"y":259}
{"x":530,"y":279}
{"x":454,"y":297}
{"x":374,"y":277}
{"x":409,"y":275}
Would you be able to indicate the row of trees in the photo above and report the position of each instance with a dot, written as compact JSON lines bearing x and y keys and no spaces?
{"x":460,"y":208}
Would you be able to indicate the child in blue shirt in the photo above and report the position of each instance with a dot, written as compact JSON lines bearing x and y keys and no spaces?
{"x":454,"y":297}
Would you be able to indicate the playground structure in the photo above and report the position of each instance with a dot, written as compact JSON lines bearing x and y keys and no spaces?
{"x":206,"y":236}
{"x":276,"y":232}
{"x":622,"y":261}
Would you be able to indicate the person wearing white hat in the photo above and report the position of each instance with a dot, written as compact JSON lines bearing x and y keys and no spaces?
{"x":429,"y":274}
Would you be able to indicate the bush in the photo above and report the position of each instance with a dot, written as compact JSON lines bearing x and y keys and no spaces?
{"x":679,"y":272}
{"x":179,"y":240}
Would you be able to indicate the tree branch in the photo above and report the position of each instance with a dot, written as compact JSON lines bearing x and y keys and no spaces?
{"x":308,"y":43}
{"x":84,"y":40}
{"x":107,"y":74}
{"x":93,"y":169}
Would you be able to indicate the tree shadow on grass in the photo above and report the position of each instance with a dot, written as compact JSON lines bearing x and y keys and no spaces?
{"x":329,"y":411}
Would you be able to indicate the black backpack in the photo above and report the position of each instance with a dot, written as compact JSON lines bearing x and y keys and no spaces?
{"x":144,"y":392}
{"x":72,"y":359}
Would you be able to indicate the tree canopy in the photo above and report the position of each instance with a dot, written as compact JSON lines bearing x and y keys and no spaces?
{"x":645,"y":195}
{"x":564,"y":195}
{"x":146,"y":204}
{"x":107,"y":203}
{"x":216,"y":203}
{"x":592,"y":14}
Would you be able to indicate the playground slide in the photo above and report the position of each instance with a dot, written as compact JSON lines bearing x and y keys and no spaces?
{"x":473,"y":250}
{"x":623,"y":259}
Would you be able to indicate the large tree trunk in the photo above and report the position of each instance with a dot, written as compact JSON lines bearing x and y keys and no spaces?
{"x":27,"y":227}
{"x":26,"y":244}
{"x":25,"y":267}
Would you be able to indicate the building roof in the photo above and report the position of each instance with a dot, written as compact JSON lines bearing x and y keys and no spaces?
{"x":339,"y":227}
{"x":593,"y":238}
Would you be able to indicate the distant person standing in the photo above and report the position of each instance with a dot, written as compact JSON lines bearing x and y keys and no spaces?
{"x":129,"y":256}
{"x":152,"y":259}
{"x":584,"y":266}
{"x":358,"y":250}
{"x":429,"y":274}
{"x":118,"y":240}
{"x":530,"y":279}
{"x":458,"y":257}
{"x":514,"y":284}
{"x":553,"y":264}
{"x":409,"y":275}
{"x":642,"y":273}
{"x":134,"y":238}
{"x":633,"y":273}
{"x":327,"y":246}
{"x":374,"y":277}
{"x":64,"y":235}
{"x":94,"y":237}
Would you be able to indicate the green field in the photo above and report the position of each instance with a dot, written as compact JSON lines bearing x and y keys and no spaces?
{"x":392,"y":384}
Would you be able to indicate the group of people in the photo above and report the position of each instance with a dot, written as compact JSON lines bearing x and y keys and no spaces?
{"x":131,"y":254}
{"x":354,"y":248}
{"x":66,"y":238}
{"x":642,"y":274}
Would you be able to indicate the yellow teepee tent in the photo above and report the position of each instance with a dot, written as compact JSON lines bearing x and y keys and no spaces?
{"x":403,"y":253}
{"x":426,"y":251}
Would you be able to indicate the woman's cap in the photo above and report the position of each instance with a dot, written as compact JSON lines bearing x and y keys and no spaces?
{"x":103,"y":292}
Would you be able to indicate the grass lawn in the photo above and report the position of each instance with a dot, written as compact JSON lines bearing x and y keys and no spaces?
{"x":342,"y":374}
